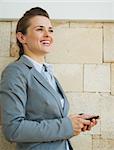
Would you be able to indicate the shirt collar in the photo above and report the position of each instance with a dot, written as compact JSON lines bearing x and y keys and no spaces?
{"x":49,"y":68}
{"x":37,"y":65}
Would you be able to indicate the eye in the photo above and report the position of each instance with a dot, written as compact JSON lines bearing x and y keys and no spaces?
{"x":39,"y":29}
{"x":51,"y":30}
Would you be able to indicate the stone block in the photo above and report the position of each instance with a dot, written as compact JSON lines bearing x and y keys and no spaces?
{"x":107,"y":119}
{"x":97,"y":78}
{"x":4,"y":61}
{"x":109,"y":42}
{"x":14,"y":51}
{"x":102,"y":144}
{"x":4,"y":145}
{"x":76,"y":45}
{"x":5,"y":29}
{"x":60,"y":23}
{"x":96,"y":142}
{"x":82,"y":142}
{"x":70,"y":76}
{"x":112,"y":79}
{"x":75,"y":24}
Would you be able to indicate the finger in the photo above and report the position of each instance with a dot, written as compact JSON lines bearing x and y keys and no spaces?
{"x":89,"y":127}
{"x":85,"y":122}
{"x":78,"y":126}
{"x":78,"y":132}
{"x":84,"y":128}
{"x":93,"y":122}
{"x":85,"y":116}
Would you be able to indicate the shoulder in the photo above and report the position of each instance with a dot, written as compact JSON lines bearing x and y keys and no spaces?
{"x":15,"y":69}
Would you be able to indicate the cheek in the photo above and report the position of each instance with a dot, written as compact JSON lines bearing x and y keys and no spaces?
{"x":52,"y":39}
{"x":34,"y":37}
{"x":34,"y":40}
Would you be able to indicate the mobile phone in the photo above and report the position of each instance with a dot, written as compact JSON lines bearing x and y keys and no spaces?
{"x":92,"y":117}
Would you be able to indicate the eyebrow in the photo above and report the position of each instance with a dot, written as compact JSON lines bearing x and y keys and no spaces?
{"x":43,"y":27}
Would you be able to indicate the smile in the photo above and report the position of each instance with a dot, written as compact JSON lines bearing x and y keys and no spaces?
{"x":46,"y":43}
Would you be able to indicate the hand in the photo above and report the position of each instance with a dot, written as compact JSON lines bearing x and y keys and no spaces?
{"x":78,"y":124}
{"x":92,"y":124}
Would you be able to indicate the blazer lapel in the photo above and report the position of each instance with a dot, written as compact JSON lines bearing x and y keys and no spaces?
{"x":46,"y":84}
{"x":42,"y":81}
{"x":66,"y":104}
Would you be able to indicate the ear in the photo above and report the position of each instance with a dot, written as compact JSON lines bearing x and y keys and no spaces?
{"x":21,"y":37}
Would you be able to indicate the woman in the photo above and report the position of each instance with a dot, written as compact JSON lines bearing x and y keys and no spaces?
{"x":34,"y":105}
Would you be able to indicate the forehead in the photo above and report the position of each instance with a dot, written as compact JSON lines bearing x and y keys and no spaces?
{"x":40,"y":21}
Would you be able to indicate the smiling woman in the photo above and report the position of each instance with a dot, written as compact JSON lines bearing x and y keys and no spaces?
{"x":33,"y":103}
{"x":39,"y":37}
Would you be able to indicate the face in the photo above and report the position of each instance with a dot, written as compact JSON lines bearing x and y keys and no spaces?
{"x":39,"y":36}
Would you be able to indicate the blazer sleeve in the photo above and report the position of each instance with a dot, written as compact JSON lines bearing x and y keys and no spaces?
{"x":13,"y":98}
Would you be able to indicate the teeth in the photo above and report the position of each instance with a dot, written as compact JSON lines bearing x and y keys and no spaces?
{"x":45,"y":42}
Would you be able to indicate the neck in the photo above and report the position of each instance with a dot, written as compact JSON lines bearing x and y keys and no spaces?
{"x":39,"y":59}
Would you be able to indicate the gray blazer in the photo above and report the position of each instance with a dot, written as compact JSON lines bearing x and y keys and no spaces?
{"x":32,"y":114}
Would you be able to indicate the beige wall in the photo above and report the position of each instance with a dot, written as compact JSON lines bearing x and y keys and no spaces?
{"x":83,"y":59}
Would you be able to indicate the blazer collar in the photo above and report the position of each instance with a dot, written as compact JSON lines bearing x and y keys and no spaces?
{"x":42,"y":81}
{"x":66,"y":105}
{"x":26,"y":61}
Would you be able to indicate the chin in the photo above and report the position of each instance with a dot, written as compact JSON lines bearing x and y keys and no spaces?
{"x":47,"y":51}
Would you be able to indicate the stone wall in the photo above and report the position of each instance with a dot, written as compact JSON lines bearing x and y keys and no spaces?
{"x":83,"y":59}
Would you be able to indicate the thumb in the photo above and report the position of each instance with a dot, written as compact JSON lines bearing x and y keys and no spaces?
{"x":86,"y":122}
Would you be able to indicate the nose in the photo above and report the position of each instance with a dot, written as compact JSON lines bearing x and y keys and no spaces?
{"x":46,"y":33}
